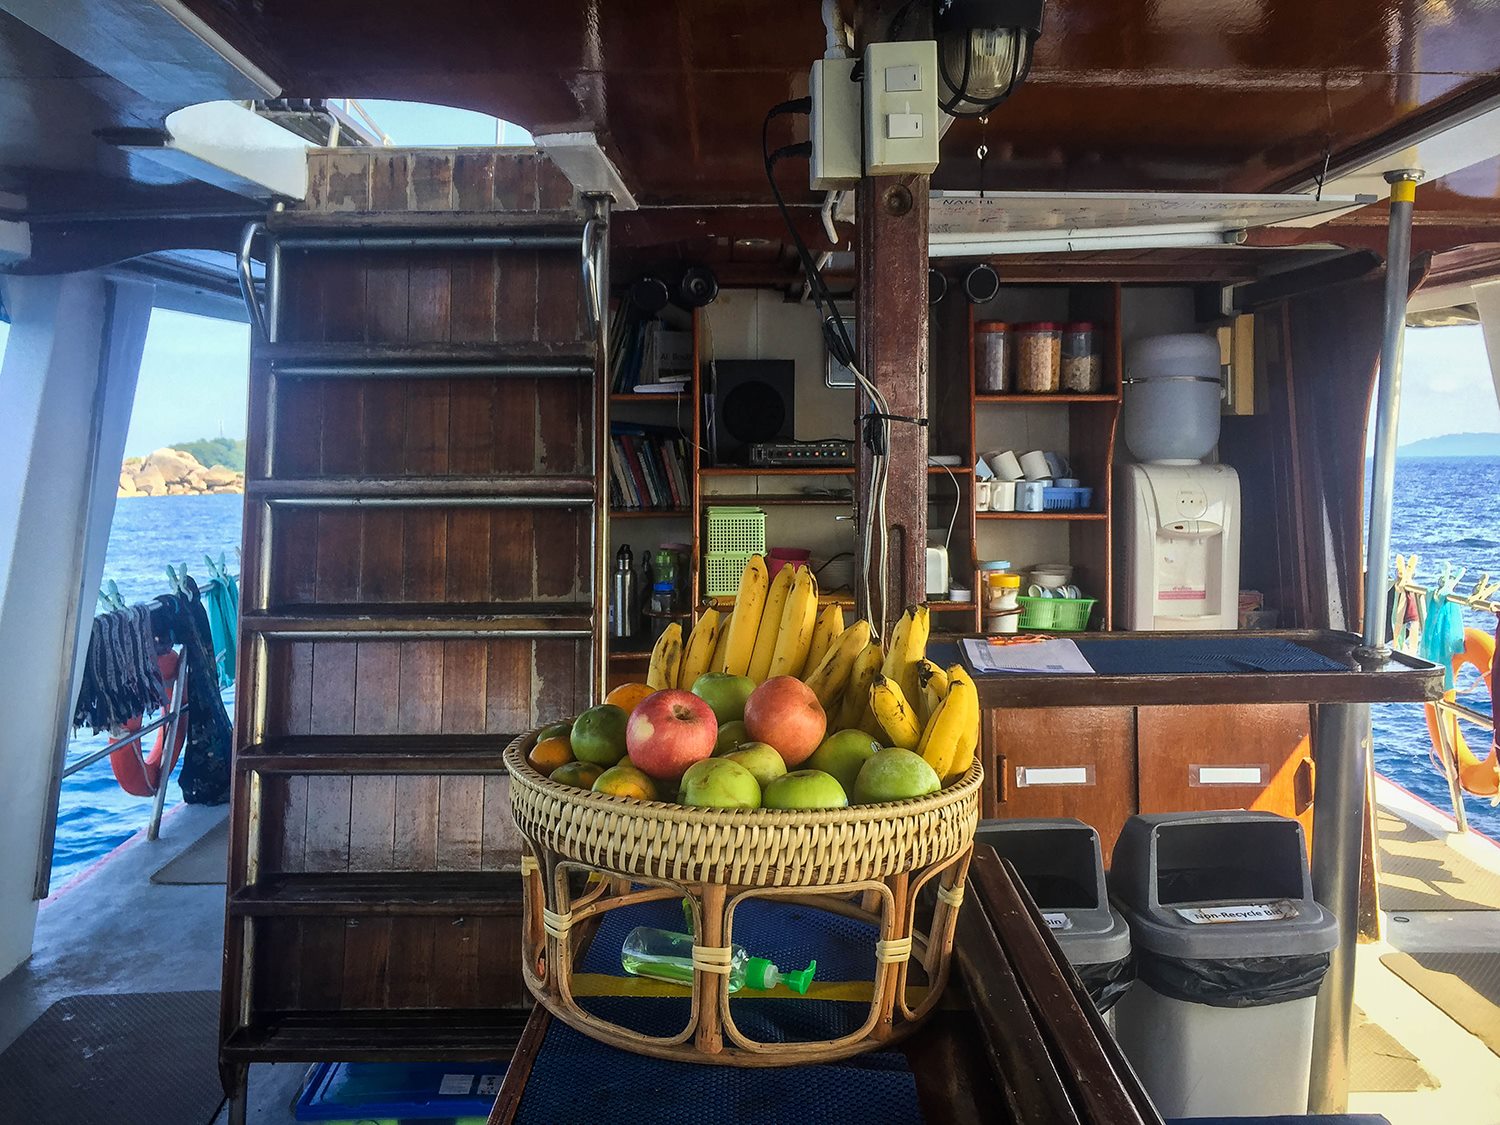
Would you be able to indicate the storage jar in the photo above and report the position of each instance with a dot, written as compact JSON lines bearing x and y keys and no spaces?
{"x":1038,"y":347}
{"x":991,"y":357}
{"x":1082,"y":359}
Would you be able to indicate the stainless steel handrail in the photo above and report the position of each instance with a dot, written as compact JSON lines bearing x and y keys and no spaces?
{"x":429,"y":501}
{"x":593,"y":239}
{"x":247,"y":278}
{"x":517,"y":241}
{"x":438,"y":369}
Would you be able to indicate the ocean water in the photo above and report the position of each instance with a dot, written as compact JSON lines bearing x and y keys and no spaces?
{"x":1445,"y":511}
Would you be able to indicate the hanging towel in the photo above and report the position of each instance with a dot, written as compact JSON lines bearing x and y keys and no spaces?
{"x":1442,"y":634}
{"x":121,"y":679}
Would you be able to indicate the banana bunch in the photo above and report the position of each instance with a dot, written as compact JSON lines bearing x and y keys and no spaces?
{"x":892,"y":691}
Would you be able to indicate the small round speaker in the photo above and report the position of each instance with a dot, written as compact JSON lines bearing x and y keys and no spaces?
{"x":649,"y":294}
{"x":753,"y":411}
{"x":698,"y":287}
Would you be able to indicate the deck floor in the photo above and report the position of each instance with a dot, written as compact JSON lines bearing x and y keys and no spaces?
{"x":113,"y":930}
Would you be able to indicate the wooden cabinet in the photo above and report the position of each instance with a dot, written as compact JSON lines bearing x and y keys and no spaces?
{"x":1103,"y":764}
{"x":1247,"y":757}
{"x":1062,"y":761}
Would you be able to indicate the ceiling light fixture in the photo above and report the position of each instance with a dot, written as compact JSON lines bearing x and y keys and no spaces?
{"x":984,"y":51}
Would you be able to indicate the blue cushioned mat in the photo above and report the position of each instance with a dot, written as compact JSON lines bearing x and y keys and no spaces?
{"x":577,"y":1079}
{"x":1172,"y":656}
{"x":788,"y":935}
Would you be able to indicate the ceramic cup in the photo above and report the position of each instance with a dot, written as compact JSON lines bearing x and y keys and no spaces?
{"x":1029,"y":495}
{"x":1057,"y":463}
{"x":1034,"y":465}
{"x":1003,"y":496}
{"x":1035,"y":591}
{"x":1067,"y":482}
{"x":1005,"y":465}
{"x":983,"y":495}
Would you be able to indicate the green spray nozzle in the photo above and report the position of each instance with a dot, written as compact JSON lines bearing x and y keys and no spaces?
{"x":762,"y":974}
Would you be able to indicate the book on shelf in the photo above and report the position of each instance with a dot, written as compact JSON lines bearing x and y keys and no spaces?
{"x":655,"y":352}
{"x":649,"y":468}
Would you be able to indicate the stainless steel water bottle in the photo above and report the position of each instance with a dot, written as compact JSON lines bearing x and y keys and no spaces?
{"x":624,"y":611}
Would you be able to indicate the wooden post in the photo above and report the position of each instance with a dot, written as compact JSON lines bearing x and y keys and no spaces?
{"x":891,"y":297}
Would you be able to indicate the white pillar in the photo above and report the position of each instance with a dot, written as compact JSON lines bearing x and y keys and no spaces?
{"x":67,"y":382}
{"x":1487,"y":300}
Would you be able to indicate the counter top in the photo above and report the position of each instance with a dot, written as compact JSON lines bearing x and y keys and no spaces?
{"x":1399,"y":678}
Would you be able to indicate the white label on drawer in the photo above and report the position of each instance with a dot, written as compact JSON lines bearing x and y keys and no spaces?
{"x":456,"y":1085}
{"x":1057,"y":921}
{"x":1229,"y":775}
{"x":1239,"y":912}
{"x":1052,"y":775}
{"x":489,"y":1084}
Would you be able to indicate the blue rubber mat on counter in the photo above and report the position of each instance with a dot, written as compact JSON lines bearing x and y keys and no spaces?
{"x":576,"y":1078}
{"x":789,"y":936}
{"x":1180,"y":656}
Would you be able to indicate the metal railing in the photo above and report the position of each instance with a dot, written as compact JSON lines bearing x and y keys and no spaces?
{"x":171,"y":719}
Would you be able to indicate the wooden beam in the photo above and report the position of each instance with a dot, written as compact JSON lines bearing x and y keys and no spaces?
{"x":891,"y":296}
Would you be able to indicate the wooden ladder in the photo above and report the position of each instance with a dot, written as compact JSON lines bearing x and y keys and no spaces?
{"x":422,"y":580}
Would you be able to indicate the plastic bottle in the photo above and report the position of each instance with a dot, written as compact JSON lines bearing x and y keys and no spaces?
{"x":663,"y":955}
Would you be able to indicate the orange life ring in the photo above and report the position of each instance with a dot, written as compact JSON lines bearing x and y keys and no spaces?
{"x":141,"y":775}
{"x":1481,"y":778}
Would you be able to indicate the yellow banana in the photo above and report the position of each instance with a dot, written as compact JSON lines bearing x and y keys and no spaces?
{"x":969,"y":740}
{"x":933,"y":682}
{"x":666,"y":658}
{"x":721,"y":643}
{"x":825,"y":632}
{"x":857,"y":694}
{"x":830,"y":677}
{"x":748,"y":606}
{"x":699,"y":653}
{"x":894,"y":715}
{"x":770,"y":625}
{"x":907,"y":648}
{"x":798,"y":619}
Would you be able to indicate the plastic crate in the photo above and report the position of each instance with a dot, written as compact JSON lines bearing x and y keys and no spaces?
{"x":359,"y":1093}
{"x":722,"y":571}
{"x":1067,"y":499}
{"x":736,"y":531}
{"x":1065,"y":615}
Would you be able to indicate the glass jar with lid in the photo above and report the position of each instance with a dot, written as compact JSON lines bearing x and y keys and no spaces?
{"x":1038,"y":348}
{"x":1082,"y":359}
{"x":991,"y":357}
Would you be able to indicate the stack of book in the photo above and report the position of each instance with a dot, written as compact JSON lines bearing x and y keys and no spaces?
{"x":652,"y":356}
{"x":649,"y":468}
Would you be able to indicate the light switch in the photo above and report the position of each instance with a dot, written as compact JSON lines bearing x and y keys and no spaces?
{"x":903,"y":126}
{"x":902,"y":79}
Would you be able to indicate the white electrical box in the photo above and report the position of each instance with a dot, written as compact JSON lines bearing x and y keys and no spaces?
{"x":900,"y":108}
{"x":834,"y":125}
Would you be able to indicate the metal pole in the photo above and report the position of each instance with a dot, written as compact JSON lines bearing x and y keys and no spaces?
{"x":1343,"y":750}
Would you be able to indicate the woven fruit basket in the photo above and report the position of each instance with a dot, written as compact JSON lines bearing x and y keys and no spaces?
{"x":899,"y":866}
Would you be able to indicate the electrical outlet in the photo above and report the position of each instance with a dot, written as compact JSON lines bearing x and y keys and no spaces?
{"x":834,"y":125}
{"x":901,"y":108}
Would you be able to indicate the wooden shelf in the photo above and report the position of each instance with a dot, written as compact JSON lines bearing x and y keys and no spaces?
{"x":784,"y":501}
{"x":377,"y":753}
{"x":624,"y":654}
{"x":654,"y":399}
{"x":355,"y":1035}
{"x":1043,"y":399}
{"x":382,"y":893}
{"x":956,"y":470}
{"x":443,"y":619}
{"x":1041,"y":515}
{"x":776,"y":471}
{"x":950,"y":607}
{"x":648,"y":513}
{"x":845,"y":600}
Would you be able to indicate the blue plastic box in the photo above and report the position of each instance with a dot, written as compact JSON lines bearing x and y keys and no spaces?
{"x":391,"y":1093}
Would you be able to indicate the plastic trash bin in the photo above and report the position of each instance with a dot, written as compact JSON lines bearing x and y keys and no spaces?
{"x":1230,"y":949}
{"x":1062,"y":868}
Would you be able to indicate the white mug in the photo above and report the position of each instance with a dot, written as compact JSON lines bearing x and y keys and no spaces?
{"x":1005,"y":465}
{"x":1035,"y":466}
{"x":983,"y":496}
{"x":1003,"y":496}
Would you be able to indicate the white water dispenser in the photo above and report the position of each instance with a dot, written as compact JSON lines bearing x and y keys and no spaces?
{"x":1181,"y":516}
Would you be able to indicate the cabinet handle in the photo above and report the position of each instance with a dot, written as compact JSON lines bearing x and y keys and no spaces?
{"x":1001,"y":788}
{"x":1303,"y":784}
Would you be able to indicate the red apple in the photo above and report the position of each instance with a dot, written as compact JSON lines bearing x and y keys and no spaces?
{"x":784,"y":712}
{"x":668,"y":732}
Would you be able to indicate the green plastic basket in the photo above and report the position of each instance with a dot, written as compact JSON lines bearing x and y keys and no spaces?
{"x":1063,"y":615}
{"x":722,"y":571}
{"x":736,"y":531}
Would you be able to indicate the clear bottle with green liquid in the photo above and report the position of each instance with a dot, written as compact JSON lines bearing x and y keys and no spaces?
{"x":666,"y":956}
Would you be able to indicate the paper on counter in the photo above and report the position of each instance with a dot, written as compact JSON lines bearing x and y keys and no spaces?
{"x":1048,"y":657}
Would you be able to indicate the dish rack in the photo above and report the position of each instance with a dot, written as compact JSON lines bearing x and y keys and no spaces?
{"x":1067,"y":499}
{"x":734,"y":534}
{"x":1063,"y":615}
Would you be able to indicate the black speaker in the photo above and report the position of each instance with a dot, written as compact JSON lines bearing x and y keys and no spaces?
{"x":752,"y":401}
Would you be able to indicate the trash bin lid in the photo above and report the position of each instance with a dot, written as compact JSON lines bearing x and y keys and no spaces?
{"x":1084,"y":941}
{"x":1218,"y":885}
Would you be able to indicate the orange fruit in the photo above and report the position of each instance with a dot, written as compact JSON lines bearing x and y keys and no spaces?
{"x":627,"y":696}
{"x":625,"y":780}
{"x":581,"y":774}
{"x":550,"y":753}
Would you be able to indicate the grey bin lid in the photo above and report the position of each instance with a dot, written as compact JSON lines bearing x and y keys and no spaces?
{"x":1170,"y":867}
{"x":1060,"y":863}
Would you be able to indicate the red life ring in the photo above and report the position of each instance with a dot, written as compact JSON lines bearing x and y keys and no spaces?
{"x":1481,"y":778}
{"x":141,"y":776}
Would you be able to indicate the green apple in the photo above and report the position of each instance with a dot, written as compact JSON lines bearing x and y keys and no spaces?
{"x":842,"y":754}
{"x":731,"y":735}
{"x":599,"y":735}
{"x":805,"y":789}
{"x":718,"y":783}
{"x":894,"y":774}
{"x":724,"y":693}
{"x":761,"y":759}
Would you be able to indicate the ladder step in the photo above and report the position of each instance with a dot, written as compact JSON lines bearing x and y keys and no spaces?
{"x":434,"y":492}
{"x":381,"y":893}
{"x":377,"y":753}
{"x":358,"y":360}
{"x":418,"y":621}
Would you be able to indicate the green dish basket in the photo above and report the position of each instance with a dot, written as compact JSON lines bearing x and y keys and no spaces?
{"x":1062,"y":615}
